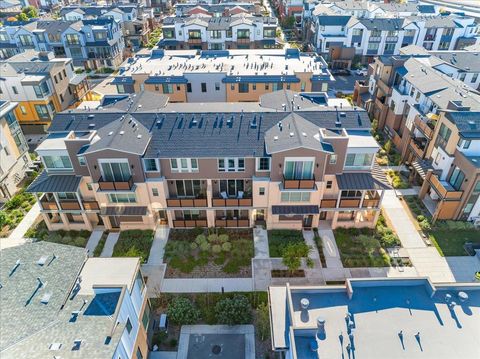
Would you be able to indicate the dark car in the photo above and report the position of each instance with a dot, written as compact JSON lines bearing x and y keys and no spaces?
{"x":341,"y":72}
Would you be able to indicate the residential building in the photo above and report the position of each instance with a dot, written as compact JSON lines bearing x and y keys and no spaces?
{"x":57,"y":302}
{"x":91,"y":44}
{"x":420,"y":107}
{"x":222,"y":76}
{"x":203,"y":31}
{"x":217,"y":9}
{"x":137,"y":160}
{"x":10,"y":8}
{"x":135,"y":21}
{"x":41,"y":85}
{"x":14,"y":157}
{"x":376,"y":318}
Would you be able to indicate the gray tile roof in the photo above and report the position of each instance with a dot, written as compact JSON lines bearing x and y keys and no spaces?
{"x":333,"y":20}
{"x":375,"y":179}
{"x":383,"y":24}
{"x":465,"y":60}
{"x":295,"y":209}
{"x":468,"y":123}
{"x":54,"y":183}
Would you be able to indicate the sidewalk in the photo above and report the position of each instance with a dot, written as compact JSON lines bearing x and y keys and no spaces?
{"x":207,"y":285}
{"x":260,"y":242}
{"x":93,"y":241}
{"x":16,"y":238}
{"x":330,"y":249}
{"x":158,"y":246}
{"x":110,"y":244}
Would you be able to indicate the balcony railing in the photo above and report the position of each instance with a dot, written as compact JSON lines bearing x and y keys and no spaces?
{"x":195,"y":40}
{"x":187,"y":202}
{"x":115,"y":185}
{"x":417,"y":148}
{"x":426,"y":127}
{"x":48,"y":204}
{"x":70,"y":205}
{"x":445,"y":190}
{"x":299,"y":183}
{"x":91,"y":205}
{"x":188,"y":223}
{"x":243,"y":40}
{"x":232,"y":202}
{"x":371,"y":203}
{"x":232,"y":223}
{"x":349,"y":203}
{"x":328,"y":203}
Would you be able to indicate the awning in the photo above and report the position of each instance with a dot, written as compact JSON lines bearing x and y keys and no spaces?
{"x":166,"y":80}
{"x":78,"y":78}
{"x":373,"y":180}
{"x":124,"y":211}
{"x":421,"y":167}
{"x":295,"y":210}
{"x":122,"y":80}
{"x":54,"y":183}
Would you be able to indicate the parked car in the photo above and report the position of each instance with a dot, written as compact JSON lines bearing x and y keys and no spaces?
{"x":361,"y":72}
{"x":341,"y":72}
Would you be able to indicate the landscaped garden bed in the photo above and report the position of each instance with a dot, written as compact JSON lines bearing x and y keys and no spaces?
{"x":366,"y":247}
{"x":285,"y":273}
{"x":387,"y":155}
{"x":134,"y":243}
{"x":203,"y":253}
{"x":211,"y":309}
{"x":72,"y":238}
{"x":397,"y":180}
{"x":101,"y":243}
{"x":319,"y":243}
{"x":279,"y":239}
{"x":14,"y":210}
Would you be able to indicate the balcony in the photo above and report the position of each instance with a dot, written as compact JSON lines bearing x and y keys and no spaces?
{"x":189,"y":223}
{"x":371,"y":203}
{"x":425,"y":126}
{"x":299,"y":183}
{"x":48,"y":204}
{"x":194,"y":40}
{"x":349,"y":203}
{"x":418,"y":147}
{"x":328,"y":203}
{"x":445,"y":190}
{"x":187,"y":202}
{"x":243,"y":40}
{"x":90,"y":205}
{"x":115,"y":185}
{"x":375,"y":39}
{"x":232,"y":223}
{"x":232,"y":202}
{"x":70,"y":205}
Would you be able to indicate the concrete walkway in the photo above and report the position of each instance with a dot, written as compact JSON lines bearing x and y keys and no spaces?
{"x":158,"y":246}
{"x":426,"y":260}
{"x":93,"y":241}
{"x":330,"y":249}
{"x":17,"y":237}
{"x":260,"y":242}
{"x":207,"y":285}
{"x":313,"y":275}
{"x":110,"y":244}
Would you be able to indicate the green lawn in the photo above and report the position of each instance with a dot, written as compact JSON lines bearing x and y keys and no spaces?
{"x":279,"y":239}
{"x":134,"y":243}
{"x":450,"y":242}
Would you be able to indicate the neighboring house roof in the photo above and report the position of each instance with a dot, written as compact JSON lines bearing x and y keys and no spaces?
{"x":54,"y":183}
{"x":375,"y":179}
{"x":383,"y":24}
{"x":54,"y":27}
{"x":8,"y":4}
{"x":426,"y":9}
{"x":464,"y":60}
{"x":333,"y":20}
{"x":468,"y":123}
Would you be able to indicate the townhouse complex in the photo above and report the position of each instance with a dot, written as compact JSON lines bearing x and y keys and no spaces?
{"x":62,"y":304}
{"x":137,"y":160}
{"x":14,"y":157}
{"x":431,"y":115}
{"x":41,"y":85}
{"x":222,"y":76}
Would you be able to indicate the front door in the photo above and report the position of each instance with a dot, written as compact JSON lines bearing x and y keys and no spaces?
{"x":162,"y":216}
{"x":114,"y":222}
{"x":323,"y":215}
{"x":307,"y":221}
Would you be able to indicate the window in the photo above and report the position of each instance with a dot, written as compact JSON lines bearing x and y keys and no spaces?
{"x":184,"y":164}
{"x":267,"y":86}
{"x":333,"y":159}
{"x":372,"y":46}
{"x":191,"y":214}
{"x":57,"y":162}
{"x":297,"y":170}
{"x":41,"y":90}
{"x":389,"y":47}
{"x":351,"y":194}
{"x":217,"y":86}
{"x":188,"y":188}
{"x":232,"y":187}
{"x":150,"y":165}
{"x":243,"y":87}
{"x":155,"y":192}
{"x":204,"y":86}
{"x":263,"y":164}
{"x":261,"y":191}
{"x":329,"y":184}
{"x":357,"y":32}
{"x":55,"y":79}
{"x":243,"y":34}
{"x":216,"y":34}
{"x":139,"y":353}
{"x":157,"y":88}
{"x":129,"y":326}
{"x":146,"y":316}
{"x":277,"y":86}
{"x":189,"y":87}
{"x":82,"y":161}
{"x":89,"y":186}
{"x":73,"y":39}
{"x":194,"y":34}
{"x":254,"y":87}
{"x":118,"y":171}
{"x":61,"y":98}
{"x":463,"y":143}
{"x":456,"y":179}
{"x":168,"y":33}
{"x":64,"y":73}
{"x":14,"y":89}
{"x":121,"y":88}
{"x":231,"y":164}
{"x":462,"y":76}
{"x":359,"y":160}
{"x":66,"y":195}
{"x":302,"y":86}
{"x":474,"y":77}
{"x":295,"y":196}
{"x":23,"y":110}
{"x":26,"y":40}
{"x":269,"y":33}
{"x":167,"y":88}
{"x":288,"y":86}
{"x":122,"y":198}
{"x":444,"y":134}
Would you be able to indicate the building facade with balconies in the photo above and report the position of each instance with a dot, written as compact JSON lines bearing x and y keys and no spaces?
{"x":41,"y":85}
{"x":285,"y":162}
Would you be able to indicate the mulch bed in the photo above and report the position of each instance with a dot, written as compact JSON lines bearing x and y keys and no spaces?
{"x":211,"y":270}
{"x":283,"y":273}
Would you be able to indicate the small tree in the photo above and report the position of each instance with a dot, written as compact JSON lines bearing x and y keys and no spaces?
{"x":263,"y":321}
{"x":182,"y":311}
{"x":293,"y":254}
{"x":233,"y":311}
{"x":388,"y":147}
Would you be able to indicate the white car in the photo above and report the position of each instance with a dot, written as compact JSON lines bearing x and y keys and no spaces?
{"x":361,"y":72}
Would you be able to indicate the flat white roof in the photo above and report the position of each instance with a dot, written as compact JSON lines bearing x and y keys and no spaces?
{"x":108,"y":272}
{"x":361,"y":139}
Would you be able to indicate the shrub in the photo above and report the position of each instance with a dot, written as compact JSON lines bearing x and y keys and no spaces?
{"x":212,"y":238}
{"x":205,"y":247}
{"x":181,"y":311}
{"x":425,"y":225}
{"x":223,"y":238}
{"x":216,"y":248}
{"x":200,"y":239}
{"x":226,"y":247}
{"x":3,"y":219}
{"x":235,"y":310}
{"x":388,"y":146}
{"x":173,"y":343}
{"x":420,"y":218}
{"x":293,"y":254}
{"x":232,"y":266}
{"x":263,"y":321}
{"x":193,"y":246}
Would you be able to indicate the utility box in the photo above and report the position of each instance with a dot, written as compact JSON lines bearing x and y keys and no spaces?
{"x":163,"y":323}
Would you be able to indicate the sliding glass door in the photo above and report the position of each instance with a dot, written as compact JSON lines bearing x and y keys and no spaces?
{"x":298,"y":170}
{"x":232,"y":187}
{"x":115,"y":171}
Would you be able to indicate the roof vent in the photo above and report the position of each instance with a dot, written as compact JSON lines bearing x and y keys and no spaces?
{"x":110,"y":133}
{"x":122,"y":132}
{"x":291,"y":134}
{"x":91,"y":125}
{"x":275,"y":138}
{"x":304,"y":134}
{"x":55,"y":346}
{"x":46,"y":298}
{"x":343,"y":114}
{"x":139,"y":136}
{"x":91,"y":117}
{"x":76,"y":344}
{"x":42,"y":260}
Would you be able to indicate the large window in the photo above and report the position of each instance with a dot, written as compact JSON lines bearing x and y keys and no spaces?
{"x":444,"y":134}
{"x":150,"y":165}
{"x":73,"y":39}
{"x":115,"y":171}
{"x":456,"y":179}
{"x":188,"y":188}
{"x":194,"y":34}
{"x":168,"y":33}
{"x":167,"y":88}
{"x":41,"y":90}
{"x":191,"y":214}
{"x":184,"y":164}
{"x":243,"y":34}
{"x":231,"y":165}
{"x":269,"y":33}
{"x":359,"y":160}
{"x":65,"y":196}
{"x":297,"y":170}
{"x":45,"y":112}
{"x":26,"y":40}
{"x":122,"y":198}
{"x":295,"y":196}
{"x":232,"y":187}
{"x":263,"y":164}
{"x":57,"y":162}
{"x":216,"y":34}
{"x":243,"y":87}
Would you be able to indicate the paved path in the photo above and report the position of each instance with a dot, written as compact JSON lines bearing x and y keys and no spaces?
{"x":262,"y":273}
{"x":409,"y":191}
{"x":93,"y":241}
{"x":158,"y":246}
{"x":330,"y":249}
{"x":16,"y":238}
{"x":109,"y":244}
{"x":207,"y":285}
{"x":260,"y":241}
{"x":154,"y":274}
{"x":314,"y":275}
{"x":426,"y":260}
